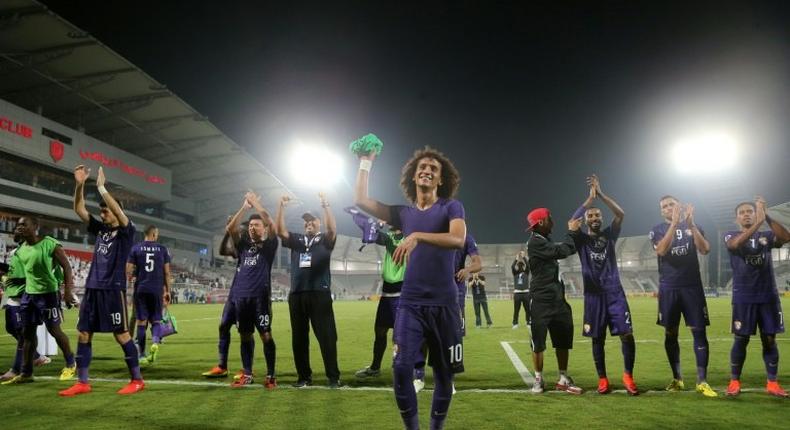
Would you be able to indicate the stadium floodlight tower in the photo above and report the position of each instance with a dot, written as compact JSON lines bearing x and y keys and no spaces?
{"x":709,"y":159}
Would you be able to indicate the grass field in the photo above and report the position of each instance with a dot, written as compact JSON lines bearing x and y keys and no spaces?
{"x":491,"y":394}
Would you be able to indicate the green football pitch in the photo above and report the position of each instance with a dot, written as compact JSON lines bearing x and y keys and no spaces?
{"x":491,"y":393}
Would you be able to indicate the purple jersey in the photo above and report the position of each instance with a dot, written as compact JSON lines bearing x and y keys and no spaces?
{"x":752,"y":270}
{"x":470,"y":248}
{"x":254,"y":271}
{"x":149,"y":259}
{"x":430,"y":275}
{"x":679,"y":268}
{"x":108,"y":266}
{"x":599,"y":262}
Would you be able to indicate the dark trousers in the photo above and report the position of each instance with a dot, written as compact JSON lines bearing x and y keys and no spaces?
{"x":478,"y":303}
{"x":313,"y":308}
{"x":520,"y":300}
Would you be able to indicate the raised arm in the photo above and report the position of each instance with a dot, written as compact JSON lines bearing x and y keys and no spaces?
{"x":232,"y":228}
{"x":224,"y":248}
{"x":663,"y":245}
{"x":282,"y":229}
{"x":618,"y":212}
{"x":255,"y":201}
{"x":454,"y":239}
{"x":702,"y":244}
{"x":547,"y":250}
{"x":112,"y":204}
{"x":361,"y":199}
{"x":735,"y":242}
{"x":329,"y":219}
{"x":81,"y":175}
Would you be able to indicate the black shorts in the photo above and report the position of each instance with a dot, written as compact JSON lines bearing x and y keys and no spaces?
{"x":555,"y":318}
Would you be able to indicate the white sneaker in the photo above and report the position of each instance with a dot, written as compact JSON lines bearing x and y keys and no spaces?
{"x":42,"y":360}
{"x":538,"y":386}
{"x":419,"y":384}
{"x":515,"y":326}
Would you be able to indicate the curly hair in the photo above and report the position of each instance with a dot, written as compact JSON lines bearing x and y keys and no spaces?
{"x":450,"y":176}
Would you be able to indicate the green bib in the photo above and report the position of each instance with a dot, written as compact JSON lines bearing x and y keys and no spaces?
{"x":37,"y":261}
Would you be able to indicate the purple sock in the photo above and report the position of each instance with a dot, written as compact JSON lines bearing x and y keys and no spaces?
{"x":673,"y":355}
{"x":270,"y":352}
{"x":84,"y":356}
{"x":69,"y":360}
{"x":141,"y":340}
{"x":599,"y":356}
{"x":224,"y":347}
{"x":247,"y":355}
{"x":738,"y":355}
{"x":130,"y":355}
{"x":156,"y":332}
{"x":628,"y":347}
{"x":442,"y":396}
{"x":701,"y":352}
{"x":770,"y":357}
{"x":419,"y":373}
{"x":405,"y":396}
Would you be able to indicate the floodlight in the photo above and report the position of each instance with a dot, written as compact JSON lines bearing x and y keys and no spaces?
{"x":315,"y":165}
{"x":705,"y":153}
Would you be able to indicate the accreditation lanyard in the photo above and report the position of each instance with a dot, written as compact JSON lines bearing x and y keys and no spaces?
{"x":306,"y":258}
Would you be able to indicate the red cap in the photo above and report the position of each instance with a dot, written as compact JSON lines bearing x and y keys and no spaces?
{"x":537,"y":215}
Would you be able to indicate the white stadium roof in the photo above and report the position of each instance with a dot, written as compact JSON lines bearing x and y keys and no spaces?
{"x":49,"y":66}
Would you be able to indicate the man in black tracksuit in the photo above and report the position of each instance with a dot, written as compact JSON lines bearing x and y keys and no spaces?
{"x":548,"y":308}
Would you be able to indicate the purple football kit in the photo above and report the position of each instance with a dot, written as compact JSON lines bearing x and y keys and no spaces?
{"x":149,"y":259}
{"x":428,"y":310}
{"x":252,"y":284}
{"x":680,"y":285}
{"x":103,"y":308}
{"x":605,"y":304}
{"x":755,"y":298}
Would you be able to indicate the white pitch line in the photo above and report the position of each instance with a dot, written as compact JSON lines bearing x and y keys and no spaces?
{"x":522,"y":370}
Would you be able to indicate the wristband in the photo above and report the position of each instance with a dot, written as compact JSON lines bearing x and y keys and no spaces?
{"x":102,"y":190}
{"x":365,"y":165}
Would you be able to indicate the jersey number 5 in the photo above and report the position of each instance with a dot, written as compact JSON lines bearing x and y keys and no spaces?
{"x":149,"y":262}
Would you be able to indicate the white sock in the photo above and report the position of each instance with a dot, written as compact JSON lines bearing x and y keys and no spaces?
{"x":563,"y":377}
{"x":538,"y":375}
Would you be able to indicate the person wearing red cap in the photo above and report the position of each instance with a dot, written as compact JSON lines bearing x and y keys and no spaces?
{"x":549,"y":311}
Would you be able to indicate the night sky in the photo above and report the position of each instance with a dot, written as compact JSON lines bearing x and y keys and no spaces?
{"x":526,"y":98}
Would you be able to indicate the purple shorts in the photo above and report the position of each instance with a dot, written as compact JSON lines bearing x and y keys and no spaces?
{"x":386,"y":311}
{"x":687,"y":301}
{"x":253,"y":313}
{"x":439,"y":327}
{"x":606,"y":310}
{"x":103,"y":311}
{"x":41,"y":309}
{"x":746,"y":317}
{"x":462,"y":307}
{"x":13,"y":320}
{"x":148,"y":307}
